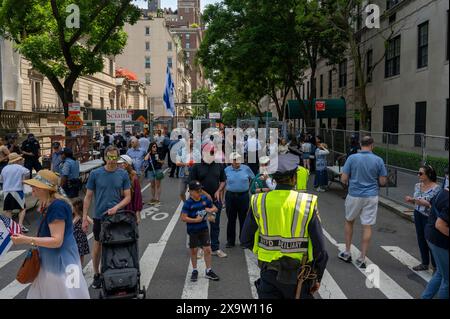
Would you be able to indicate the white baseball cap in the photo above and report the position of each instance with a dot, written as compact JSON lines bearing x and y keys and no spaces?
{"x":235,"y":156}
{"x":264,"y":159}
{"x":125,"y":159}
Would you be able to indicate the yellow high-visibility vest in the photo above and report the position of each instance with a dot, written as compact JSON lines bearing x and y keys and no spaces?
{"x":302,"y":178}
{"x":283,"y":217}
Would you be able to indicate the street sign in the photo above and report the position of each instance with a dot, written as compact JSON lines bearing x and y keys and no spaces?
{"x":214,"y":116}
{"x":74,"y":109}
{"x":320,"y":106}
{"x":73,"y":122}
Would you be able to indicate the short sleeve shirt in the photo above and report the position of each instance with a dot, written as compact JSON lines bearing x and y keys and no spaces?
{"x":364,"y":169}
{"x":70,"y":169}
{"x":439,"y":209}
{"x":108,"y":188}
{"x":238,"y":180}
{"x":57,"y":162}
{"x":192,"y":209}
{"x":426,"y":195}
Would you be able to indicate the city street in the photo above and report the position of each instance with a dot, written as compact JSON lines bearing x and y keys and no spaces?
{"x":165,"y":263}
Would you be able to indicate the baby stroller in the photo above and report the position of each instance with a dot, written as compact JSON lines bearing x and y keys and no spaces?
{"x":120,"y":258}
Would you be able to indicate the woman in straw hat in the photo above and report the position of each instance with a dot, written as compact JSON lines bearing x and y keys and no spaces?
{"x":14,"y":197}
{"x":60,"y":275}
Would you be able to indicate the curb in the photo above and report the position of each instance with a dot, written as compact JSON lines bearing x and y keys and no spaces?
{"x":396,"y":208}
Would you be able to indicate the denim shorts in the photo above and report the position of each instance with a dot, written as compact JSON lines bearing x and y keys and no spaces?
{"x":151,"y":174}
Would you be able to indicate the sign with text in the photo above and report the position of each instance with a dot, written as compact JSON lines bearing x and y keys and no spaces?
{"x":117,"y":117}
{"x":320,"y":106}
{"x":214,"y":116}
{"x":74,"y":109}
{"x":73,"y":122}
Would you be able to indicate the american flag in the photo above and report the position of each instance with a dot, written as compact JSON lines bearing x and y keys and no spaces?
{"x":12,"y":226}
{"x":8,"y":227}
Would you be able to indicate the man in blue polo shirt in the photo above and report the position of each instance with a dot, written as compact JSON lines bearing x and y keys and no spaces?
{"x":363,"y":172}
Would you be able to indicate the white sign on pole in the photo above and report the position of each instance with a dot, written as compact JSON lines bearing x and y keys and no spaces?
{"x":214,"y":116}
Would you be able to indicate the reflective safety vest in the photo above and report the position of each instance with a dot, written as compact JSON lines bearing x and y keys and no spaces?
{"x":283,"y":218}
{"x":302,"y":178}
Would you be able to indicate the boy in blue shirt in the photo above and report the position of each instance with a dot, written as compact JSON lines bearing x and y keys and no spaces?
{"x":195,"y":213}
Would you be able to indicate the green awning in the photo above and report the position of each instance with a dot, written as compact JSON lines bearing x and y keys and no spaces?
{"x":334,"y":108}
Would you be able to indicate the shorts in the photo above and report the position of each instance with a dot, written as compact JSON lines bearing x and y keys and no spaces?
{"x":364,"y":207}
{"x":306,"y":155}
{"x":200,"y":239}
{"x":97,"y":228}
{"x":184,"y":186}
{"x":151,"y":174}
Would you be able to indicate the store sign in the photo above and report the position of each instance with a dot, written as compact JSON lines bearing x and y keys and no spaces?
{"x":320,"y":106}
{"x":117,"y":117}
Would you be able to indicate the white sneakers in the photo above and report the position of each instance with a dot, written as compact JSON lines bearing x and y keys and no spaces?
{"x":219,"y":253}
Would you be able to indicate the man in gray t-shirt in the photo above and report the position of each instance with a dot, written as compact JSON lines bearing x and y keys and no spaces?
{"x":111,"y":187}
{"x":363,"y":172}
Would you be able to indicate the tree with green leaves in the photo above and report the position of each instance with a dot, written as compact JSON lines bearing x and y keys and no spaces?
{"x":44,"y":33}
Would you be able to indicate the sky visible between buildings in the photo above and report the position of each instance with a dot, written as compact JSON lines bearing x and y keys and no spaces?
{"x":173,"y":3}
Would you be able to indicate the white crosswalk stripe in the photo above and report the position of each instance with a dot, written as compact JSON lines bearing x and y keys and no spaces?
{"x":407,"y":260}
{"x":329,"y":289}
{"x":253,"y":271}
{"x":10,"y":256}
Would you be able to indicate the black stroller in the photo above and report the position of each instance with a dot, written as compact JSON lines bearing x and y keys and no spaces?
{"x":120,"y":257}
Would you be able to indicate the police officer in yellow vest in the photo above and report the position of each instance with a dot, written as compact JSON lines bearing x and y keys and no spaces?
{"x":302,"y":179}
{"x":283,"y":229}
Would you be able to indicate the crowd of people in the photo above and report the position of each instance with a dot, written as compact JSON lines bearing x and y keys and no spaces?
{"x":213,"y":183}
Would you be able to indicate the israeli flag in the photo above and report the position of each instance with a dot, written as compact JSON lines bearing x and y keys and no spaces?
{"x":168,"y":97}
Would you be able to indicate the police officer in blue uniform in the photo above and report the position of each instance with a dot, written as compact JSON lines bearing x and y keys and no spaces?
{"x":280,"y":278}
{"x":31,"y":151}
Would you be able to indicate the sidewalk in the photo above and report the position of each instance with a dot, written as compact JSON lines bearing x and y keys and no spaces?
{"x":400,"y":210}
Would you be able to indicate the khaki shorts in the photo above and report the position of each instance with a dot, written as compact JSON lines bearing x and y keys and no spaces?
{"x":364,"y":207}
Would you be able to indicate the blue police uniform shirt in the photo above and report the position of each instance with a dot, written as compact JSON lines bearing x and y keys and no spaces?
{"x":192,"y":208}
{"x":107,"y":187}
{"x":57,"y":162}
{"x":364,"y":169}
{"x":238,"y":180}
{"x":71,"y":169}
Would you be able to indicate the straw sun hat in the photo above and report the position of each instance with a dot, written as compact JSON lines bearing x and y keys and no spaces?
{"x":14,"y":157}
{"x":44,"y":179}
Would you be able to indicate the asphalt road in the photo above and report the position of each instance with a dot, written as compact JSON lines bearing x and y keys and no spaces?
{"x":165,"y":263}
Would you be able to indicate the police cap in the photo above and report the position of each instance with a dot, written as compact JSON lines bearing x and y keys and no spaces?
{"x":287,"y":164}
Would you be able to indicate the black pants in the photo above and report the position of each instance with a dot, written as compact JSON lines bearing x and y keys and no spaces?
{"x":269,"y":288}
{"x":420,"y":221}
{"x":237,"y":205}
{"x":32,"y":164}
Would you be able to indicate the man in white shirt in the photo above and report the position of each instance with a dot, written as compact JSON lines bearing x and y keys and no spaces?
{"x":13,"y":192}
{"x":144,"y":143}
{"x":252,"y":147}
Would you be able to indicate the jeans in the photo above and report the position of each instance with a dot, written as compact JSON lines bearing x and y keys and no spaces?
{"x":214,"y":228}
{"x":237,"y":205}
{"x":321,"y":178}
{"x":420,"y":221}
{"x":439,"y":282}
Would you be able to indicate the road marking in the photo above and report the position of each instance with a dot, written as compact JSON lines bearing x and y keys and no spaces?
{"x":152,"y":254}
{"x":253,"y":271}
{"x":10,"y":256}
{"x":199,"y":289}
{"x":148,"y":185}
{"x":329,"y":289}
{"x":12,"y":290}
{"x":387,"y":285}
{"x":407,"y":260}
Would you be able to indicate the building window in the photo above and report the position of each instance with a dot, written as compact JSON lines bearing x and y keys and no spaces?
{"x":147,"y":78}
{"x":188,"y":36}
{"x":186,"y":10}
{"x":111,"y":67}
{"x":369,"y":65}
{"x":102,"y":103}
{"x":392,"y":66}
{"x":422,"y":54}
{"x":421,"y":122}
{"x":169,"y":62}
{"x":343,"y":73}
{"x":188,"y":45}
{"x":75,"y":96}
{"x":91,"y":99}
{"x":147,"y":62}
{"x":390,"y":123}
{"x":147,"y":46}
{"x":111,"y":103}
{"x":181,"y":17}
{"x":321,"y":85}
{"x":391,"y":3}
{"x":330,"y":82}
{"x":147,"y":30}
{"x":36,"y":91}
{"x":169,"y":46}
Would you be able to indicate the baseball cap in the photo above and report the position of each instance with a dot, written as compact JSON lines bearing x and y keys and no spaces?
{"x":235,"y":156}
{"x":195,"y":185}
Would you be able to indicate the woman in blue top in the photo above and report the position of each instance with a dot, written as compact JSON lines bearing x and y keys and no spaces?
{"x":60,"y":275}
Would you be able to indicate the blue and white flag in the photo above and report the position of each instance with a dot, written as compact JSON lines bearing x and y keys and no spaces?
{"x":168,"y":97}
{"x":8,"y":227}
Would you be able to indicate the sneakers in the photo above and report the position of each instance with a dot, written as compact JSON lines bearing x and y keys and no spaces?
{"x":194,"y":275}
{"x":420,"y":267}
{"x":345,"y":256}
{"x":24,"y":229}
{"x":199,"y":253}
{"x":320,"y":190}
{"x":360,"y":263}
{"x":219,"y":253}
{"x":212,"y":276}
{"x":97,"y":283}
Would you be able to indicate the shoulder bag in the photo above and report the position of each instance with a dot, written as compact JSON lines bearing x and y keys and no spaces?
{"x":31,"y":265}
{"x":160,"y":175}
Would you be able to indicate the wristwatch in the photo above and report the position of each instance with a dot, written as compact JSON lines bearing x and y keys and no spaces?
{"x":32,"y":243}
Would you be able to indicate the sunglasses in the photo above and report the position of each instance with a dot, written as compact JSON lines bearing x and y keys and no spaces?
{"x":112,"y":158}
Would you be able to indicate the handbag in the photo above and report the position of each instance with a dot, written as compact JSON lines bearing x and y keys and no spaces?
{"x":31,"y":265}
{"x":160,"y":175}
